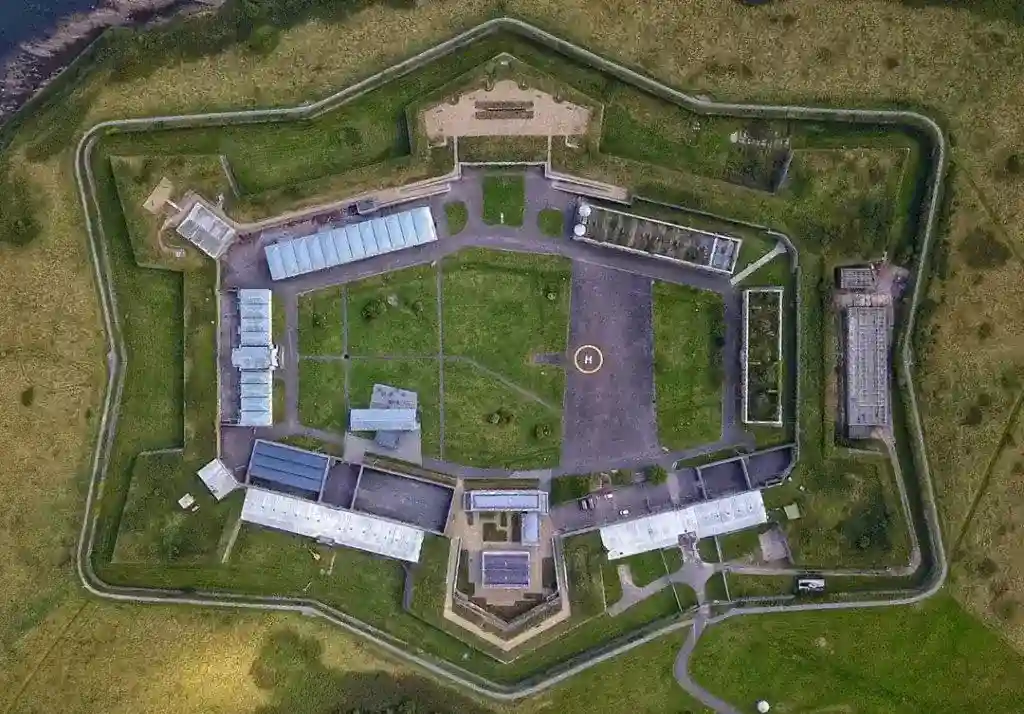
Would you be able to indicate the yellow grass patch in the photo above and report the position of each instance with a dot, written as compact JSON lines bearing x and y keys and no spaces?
{"x":961,"y":370}
{"x":51,"y":352}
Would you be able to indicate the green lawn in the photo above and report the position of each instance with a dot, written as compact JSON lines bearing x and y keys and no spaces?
{"x":645,"y":567}
{"x":501,"y":308}
{"x":741,"y":544}
{"x":320,"y":328}
{"x":394,"y":314}
{"x":551,"y":222}
{"x":431,"y":574}
{"x":924,"y":658}
{"x":322,"y":394}
{"x":527,"y":435}
{"x":457,"y":215}
{"x":688,"y":330}
{"x":504,"y":199}
{"x":418,"y":375}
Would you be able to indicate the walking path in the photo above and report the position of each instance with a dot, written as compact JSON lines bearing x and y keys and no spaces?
{"x":117,"y":355}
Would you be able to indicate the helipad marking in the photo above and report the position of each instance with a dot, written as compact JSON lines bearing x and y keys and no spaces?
{"x":588,"y":359}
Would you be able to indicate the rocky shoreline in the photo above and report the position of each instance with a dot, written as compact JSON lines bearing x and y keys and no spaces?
{"x":34,"y":64}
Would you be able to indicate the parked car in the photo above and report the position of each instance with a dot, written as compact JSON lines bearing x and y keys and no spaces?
{"x":609,"y":495}
{"x":624,"y":512}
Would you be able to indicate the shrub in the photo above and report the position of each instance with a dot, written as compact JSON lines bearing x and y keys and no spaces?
{"x":657,"y":474}
{"x":374,"y":308}
{"x":18,"y":208}
{"x":542,"y":431}
{"x":28,"y":396}
{"x":263,"y":40}
{"x":973,"y":416}
{"x":982,"y":250}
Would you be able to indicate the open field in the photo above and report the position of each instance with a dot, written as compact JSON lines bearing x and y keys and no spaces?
{"x":487,"y":423}
{"x":971,"y":352}
{"x":689,"y":331}
{"x":320,"y":323}
{"x":322,"y":394}
{"x":502,"y":308}
{"x":394,"y":314}
{"x":420,"y":376}
{"x":858,"y":661}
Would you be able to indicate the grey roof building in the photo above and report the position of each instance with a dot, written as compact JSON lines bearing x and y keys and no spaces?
{"x":347,"y":244}
{"x":383,"y":420}
{"x":285,"y":468}
{"x":387,"y":397}
{"x":867,"y":369}
{"x":857,"y":278}
{"x":522,"y":500}
{"x":206,"y":230}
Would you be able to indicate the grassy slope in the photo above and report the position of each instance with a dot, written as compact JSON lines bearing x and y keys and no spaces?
{"x":863,"y":657}
{"x":687,"y":365}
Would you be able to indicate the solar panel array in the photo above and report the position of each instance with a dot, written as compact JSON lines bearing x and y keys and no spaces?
{"x":506,"y":569}
{"x":277,"y":464}
{"x":347,"y":244}
{"x":206,"y":230}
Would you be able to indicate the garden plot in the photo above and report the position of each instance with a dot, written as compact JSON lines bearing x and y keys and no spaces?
{"x":762,"y":356}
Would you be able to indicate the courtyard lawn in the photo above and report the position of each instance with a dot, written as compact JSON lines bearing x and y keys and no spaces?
{"x":688,"y":334}
{"x":504,"y":199}
{"x":645,"y":567}
{"x":502,"y":308}
{"x":488,"y":424}
{"x":320,"y":328}
{"x":457,"y":215}
{"x":322,"y":394}
{"x":418,"y":375}
{"x":551,"y":222}
{"x":859,"y":661}
{"x":394,"y":314}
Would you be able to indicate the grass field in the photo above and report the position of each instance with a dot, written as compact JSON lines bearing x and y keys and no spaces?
{"x":394,"y":314}
{"x":501,"y":308}
{"x":456,"y":214}
{"x":645,"y":567}
{"x":420,"y":376}
{"x":856,"y":661}
{"x":551,"y":222}
{"x":322,"y":394}
{"x":504,"y":199}
{"x":487,"y":423}
{"x":320,"y":323}
{"x":689,"y":331}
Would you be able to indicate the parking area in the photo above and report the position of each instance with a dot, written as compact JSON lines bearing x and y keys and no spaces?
{"x":609,"y":400}
{"x":767,"y":467}
{"x":609,"y":506}
{"x":724,"y":478}
{"x":424,"y":504}
{"x":340,"y":487}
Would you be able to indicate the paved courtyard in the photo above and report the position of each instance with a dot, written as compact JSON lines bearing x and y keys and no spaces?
{"x":609,"y":398}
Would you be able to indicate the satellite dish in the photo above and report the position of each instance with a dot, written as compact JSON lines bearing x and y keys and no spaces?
{"x":584,"y":210}
{"x":763,"y":707}
{"x":579,"y":230}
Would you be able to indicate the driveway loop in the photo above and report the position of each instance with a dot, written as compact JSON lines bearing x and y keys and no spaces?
{"x":588,"y":359}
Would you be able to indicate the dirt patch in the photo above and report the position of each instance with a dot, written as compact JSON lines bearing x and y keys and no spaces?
{"x":505,"y":110}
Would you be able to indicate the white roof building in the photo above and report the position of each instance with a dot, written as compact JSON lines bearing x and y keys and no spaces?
{"x":218,"y":479}
{"x":662,"y":530}
{"x":332,"y":525}
{"x":206,"y":230}
{"x":347,"y":244}
{"x":255,"y":358}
